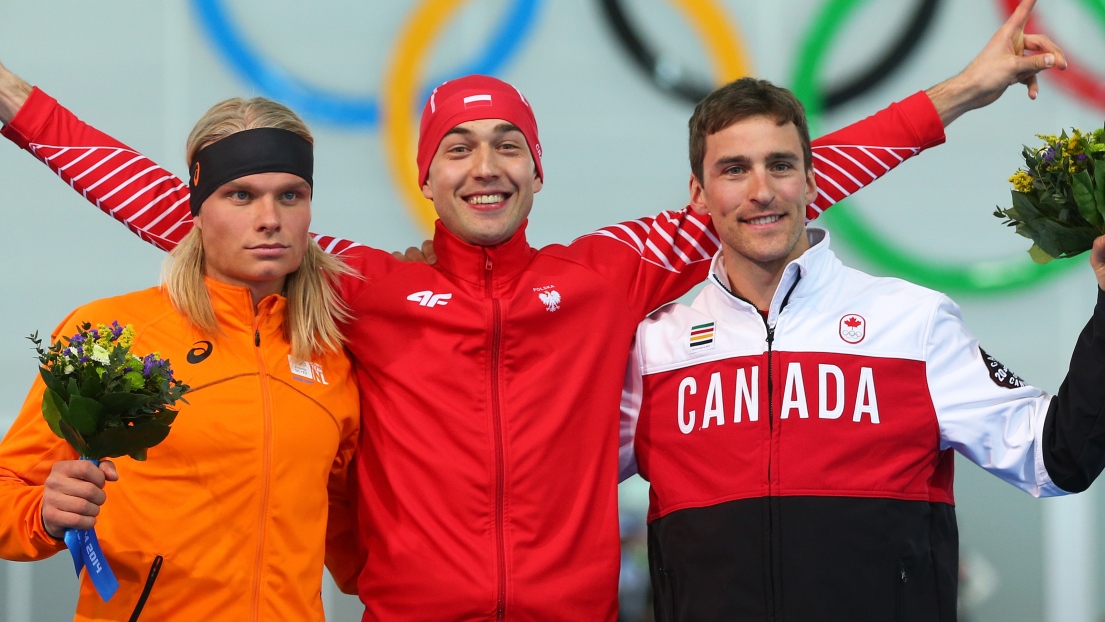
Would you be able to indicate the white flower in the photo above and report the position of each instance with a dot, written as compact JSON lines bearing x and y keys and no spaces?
{"x":99,"y":354}
{"x":68,"y":369}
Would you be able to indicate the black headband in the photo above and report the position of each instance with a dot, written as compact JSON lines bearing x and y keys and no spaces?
{"x":263,"y":150}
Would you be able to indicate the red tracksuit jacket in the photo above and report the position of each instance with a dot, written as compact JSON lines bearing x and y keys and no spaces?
{"x":490,"y":382}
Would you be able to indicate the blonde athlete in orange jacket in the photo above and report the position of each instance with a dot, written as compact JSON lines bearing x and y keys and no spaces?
{"x":229,"y":517}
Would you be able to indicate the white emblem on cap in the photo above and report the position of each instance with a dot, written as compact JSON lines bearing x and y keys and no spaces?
{"x":477,"y":100}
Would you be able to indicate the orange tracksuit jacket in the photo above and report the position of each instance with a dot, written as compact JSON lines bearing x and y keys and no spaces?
{"x":241,"y":499}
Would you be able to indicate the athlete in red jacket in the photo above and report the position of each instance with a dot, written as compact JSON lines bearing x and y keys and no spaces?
{"x":490,"y":381}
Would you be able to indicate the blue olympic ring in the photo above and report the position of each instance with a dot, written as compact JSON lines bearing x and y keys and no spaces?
{"x":320,"y":104}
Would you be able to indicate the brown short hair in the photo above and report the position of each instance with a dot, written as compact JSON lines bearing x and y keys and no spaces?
{"x":739,"y":100}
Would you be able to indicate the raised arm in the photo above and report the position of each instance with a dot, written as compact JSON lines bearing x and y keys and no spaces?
{"x":136,"y":191}
{"x":1009,"y":57}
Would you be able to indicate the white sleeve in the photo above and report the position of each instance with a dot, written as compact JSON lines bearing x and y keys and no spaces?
{"x":631,"y":408}
{"x":985,"y":412}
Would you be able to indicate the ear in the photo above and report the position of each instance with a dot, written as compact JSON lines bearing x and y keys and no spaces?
{"x":197,"y":220}
{"x":811,"y":186}
{"x":537,"y":183}
{"x":698,"y":196}
{"x":426,"y":191}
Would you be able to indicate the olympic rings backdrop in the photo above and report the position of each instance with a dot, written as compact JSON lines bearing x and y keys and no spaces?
{"x":612,"y":83}
{"x":393,"y":111}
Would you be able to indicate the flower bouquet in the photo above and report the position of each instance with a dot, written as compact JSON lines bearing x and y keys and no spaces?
{"x":106,"y":402}
{"x":1059,"y":195}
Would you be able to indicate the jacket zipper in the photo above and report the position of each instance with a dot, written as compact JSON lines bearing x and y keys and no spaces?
{"x":770,"y":450}
{"x":496,"y":418}
{"x":775,"y":598}
{"x":266,"y":402}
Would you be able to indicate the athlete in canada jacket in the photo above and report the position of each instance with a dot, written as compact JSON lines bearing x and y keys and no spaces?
{"x":797,"y":422}
{"x":801,"y":465}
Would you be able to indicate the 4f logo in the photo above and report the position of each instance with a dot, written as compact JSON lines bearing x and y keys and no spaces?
{"x":429,"y":299}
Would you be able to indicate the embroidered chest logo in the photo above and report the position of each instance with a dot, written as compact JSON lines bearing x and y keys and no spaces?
{"x":853,"y":328}
{"x":306,"y":371}
{"x":999,"y":373}
{"x":199,"y":352}
{"x":702,"y":336}
{"x":430,"y":299}
{"x":549,"y":296}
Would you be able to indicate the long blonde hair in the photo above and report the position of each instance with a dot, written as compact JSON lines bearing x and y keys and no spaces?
{"x":315,"y":311}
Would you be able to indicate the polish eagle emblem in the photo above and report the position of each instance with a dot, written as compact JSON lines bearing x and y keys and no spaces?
{"x":551,"y":299}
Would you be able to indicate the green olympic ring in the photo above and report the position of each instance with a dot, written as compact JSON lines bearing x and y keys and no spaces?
{"x":982,"y":276}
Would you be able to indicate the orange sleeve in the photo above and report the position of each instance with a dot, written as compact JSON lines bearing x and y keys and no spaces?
{"x":27,"y":453}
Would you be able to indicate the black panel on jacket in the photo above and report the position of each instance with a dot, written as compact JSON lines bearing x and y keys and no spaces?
{"x":795,"y":559}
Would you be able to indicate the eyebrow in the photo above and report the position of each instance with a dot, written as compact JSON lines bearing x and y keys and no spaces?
{"x":774,"y":156}
{"x":501,"y":128}
{"x":238,"y":184}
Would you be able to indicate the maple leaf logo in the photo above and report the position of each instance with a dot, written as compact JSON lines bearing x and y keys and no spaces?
{"x":853,"y":328}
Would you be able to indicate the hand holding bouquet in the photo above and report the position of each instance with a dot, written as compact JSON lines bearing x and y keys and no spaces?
{"x":106,"y":402}
{"x":1059,"y":196}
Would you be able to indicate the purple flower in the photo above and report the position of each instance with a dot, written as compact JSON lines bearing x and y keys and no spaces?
{"x":84,"y":359}
{"x":77,"y":339}
{"x":1049,"y":154}
{"x":95,"y":334}
{"x":1081,"y":157}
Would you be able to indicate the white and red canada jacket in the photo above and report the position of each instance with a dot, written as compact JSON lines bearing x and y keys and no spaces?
{"x":801,"y":465}
{"x":490,"y":381}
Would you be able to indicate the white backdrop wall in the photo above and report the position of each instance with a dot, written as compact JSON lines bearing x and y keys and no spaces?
{"x":615,"y":148}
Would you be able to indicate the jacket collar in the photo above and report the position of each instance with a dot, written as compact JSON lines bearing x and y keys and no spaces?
{"x":801,"y":277}
{"x":471,"y":263}
{"x":234,"y":309}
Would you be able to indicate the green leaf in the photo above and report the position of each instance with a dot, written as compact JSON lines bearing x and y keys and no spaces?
{"x":117,"y":442}
{"x":53,"y":383}
{"x":123,"y":403}
{"x":1099,"y":190}
{"x":83,"y":414}
{"x":52,"y":408}
{"x":1039,"y":255}
{"x":76,"y":441}
{"x":91,"y":385}
{"x":139,"y":455}
{"x":1082,"y":187}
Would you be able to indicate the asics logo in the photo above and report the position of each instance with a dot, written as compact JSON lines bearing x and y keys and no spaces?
{"x":429,"y":299}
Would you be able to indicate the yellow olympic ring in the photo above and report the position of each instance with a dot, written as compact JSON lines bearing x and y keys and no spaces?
{"x":400,"y":87}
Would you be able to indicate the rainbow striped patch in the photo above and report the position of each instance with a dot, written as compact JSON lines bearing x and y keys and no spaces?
{"x":702,"y":335}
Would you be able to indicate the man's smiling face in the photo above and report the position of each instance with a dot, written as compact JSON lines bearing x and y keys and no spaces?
{"x":755,"y":186}
{"x":482,"y":180}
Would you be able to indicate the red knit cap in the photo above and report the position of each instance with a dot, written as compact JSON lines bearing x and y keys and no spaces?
{"x":468,"y":99}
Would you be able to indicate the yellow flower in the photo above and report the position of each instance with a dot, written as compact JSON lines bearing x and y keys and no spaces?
{"x":1022,"y":181}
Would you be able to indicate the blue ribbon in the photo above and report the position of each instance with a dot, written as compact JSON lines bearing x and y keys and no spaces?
{"x":85,"y":549}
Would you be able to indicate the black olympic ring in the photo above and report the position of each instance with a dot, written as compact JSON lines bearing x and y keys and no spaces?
{"x":676,"y":82}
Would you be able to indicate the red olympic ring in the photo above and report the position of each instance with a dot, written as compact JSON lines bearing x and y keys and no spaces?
{"x":1075,"y":79}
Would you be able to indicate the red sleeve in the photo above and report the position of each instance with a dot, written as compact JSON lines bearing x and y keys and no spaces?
{"x":661,"y":258}
{"x":149,"y":200}
{"x":853,"y":157}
